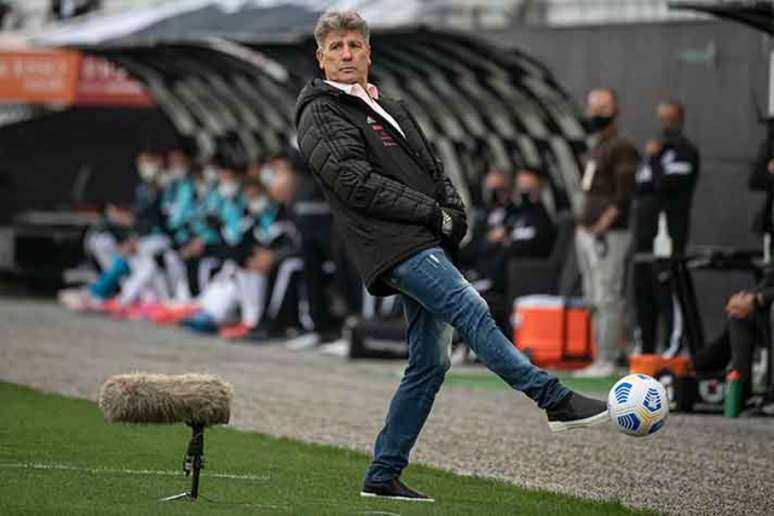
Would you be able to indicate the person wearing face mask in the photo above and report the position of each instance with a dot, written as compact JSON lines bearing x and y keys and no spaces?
{"x":179,"y":198}
{"x":531,"y":230}
{"x":174,"y":193}
{"x":603,"y":237}
{"x":252,"y":268}
{"x":216,"y":227}
{"x":116,"y":245}
{"x":665,"y":181}
{"x":236,"y":288}
{"x":505,"y":229}
{"x":270,"y":239}
{"x":484,"y":257}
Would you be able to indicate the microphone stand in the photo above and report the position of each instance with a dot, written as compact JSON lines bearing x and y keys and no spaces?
{"x":192,"y":463}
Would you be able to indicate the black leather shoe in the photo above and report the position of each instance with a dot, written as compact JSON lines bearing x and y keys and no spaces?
{"x":576,"y":411}
{"x":395,"y":490}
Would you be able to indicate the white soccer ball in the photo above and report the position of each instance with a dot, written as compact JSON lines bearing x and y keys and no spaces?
{"x":638,"y":405}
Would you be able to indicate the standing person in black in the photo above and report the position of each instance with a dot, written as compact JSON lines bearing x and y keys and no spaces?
{"x":665,"y":183}
{"x":532,"y":230}
{"x":402,"y":221}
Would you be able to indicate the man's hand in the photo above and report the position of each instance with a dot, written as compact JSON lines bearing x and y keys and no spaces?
{"x":771,"y":167}
{"x":652,"y":148}
{"x":741,"y":305}
{"x":119,"y":216}
{"x":193,"y":248}
{"x":450,"y":224}
{"x":496,"y":234}
{"x":261,"y":261}
{"x":604,"y":222}
{"x":128,"y":247}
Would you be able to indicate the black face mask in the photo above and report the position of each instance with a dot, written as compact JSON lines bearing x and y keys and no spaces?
{"x":526,"y":199}
{"x":600,"y":123}
{"x":670,"y":133}
{"x":495,"y":197}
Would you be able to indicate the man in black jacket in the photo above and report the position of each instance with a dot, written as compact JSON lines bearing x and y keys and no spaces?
{"x":665,"y":183}
{"x":401,"y":219}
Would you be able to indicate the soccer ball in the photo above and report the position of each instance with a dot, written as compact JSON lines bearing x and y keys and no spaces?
{"x":638,"y":405}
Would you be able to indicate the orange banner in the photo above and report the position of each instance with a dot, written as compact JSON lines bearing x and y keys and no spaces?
{"x":39,"y":76}
{"x":103,"y":83}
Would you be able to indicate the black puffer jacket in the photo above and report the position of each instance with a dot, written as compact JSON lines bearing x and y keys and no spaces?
{"x":385,"y":191}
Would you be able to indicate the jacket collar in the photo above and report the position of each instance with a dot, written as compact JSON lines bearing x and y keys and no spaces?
{"x":350,"y":89}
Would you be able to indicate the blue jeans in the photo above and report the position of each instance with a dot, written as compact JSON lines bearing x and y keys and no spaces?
{"x":436,"y":300}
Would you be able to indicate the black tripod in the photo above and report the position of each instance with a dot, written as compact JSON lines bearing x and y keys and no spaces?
{"x":193,"y":463}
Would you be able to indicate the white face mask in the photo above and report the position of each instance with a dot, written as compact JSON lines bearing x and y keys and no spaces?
{"x":228,"y":190}
{"x":202,"y":189}
{"x":148,"y":171}
{"x":257,"y":205}
{"x":267,"y":174}
{"x":165,"y":179}
{"x":210,"y":174}
{"x":177,"y":172}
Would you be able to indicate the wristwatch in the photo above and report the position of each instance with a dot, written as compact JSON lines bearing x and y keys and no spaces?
{"x":447,"y":225}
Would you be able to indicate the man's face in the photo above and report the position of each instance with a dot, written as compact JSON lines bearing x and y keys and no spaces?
{"x":529,"y":183}
{"x":282,"y":186}
{"x":497,"y":189}
{"x":345,"y":57}
{"x":669,"y":116}
{"x":601,"y":103}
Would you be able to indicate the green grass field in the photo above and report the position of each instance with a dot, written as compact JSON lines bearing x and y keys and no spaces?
{"x":57,"y":456}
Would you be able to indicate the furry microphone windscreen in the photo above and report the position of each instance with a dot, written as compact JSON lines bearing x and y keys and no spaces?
{"x":158,"y":398}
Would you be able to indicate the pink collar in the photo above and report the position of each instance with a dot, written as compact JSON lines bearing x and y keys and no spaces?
{"x":349,"y":89}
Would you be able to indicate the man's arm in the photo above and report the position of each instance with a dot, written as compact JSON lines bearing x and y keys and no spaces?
{"x":335,"y":151}
{"x":625,"y":164}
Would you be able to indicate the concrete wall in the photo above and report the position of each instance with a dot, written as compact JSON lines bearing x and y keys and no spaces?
{"x":718,"y":69}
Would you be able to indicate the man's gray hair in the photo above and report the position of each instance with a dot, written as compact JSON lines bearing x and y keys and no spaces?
{"x":334,"y":20}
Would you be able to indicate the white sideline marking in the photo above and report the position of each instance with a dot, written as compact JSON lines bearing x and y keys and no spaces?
{"x":64,"y":467}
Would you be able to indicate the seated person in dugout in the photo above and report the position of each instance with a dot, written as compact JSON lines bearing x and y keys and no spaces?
{"x":124,"y":236}
{"x":747,"y":327}
{"x":513,"y":223}
{"x":239,"y":302}
{"x":748,"y":322}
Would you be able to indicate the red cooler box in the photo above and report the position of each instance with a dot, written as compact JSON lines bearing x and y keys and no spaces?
{"x":554,"y":331}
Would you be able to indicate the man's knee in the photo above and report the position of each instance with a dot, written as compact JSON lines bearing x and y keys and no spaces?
{"x":470,"y":308}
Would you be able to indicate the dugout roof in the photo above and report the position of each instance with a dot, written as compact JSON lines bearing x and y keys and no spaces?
{"x":481,"y":106}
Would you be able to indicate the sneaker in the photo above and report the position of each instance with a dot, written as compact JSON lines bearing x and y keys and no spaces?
{"x":168,"y":315}
{"x":235,"y":331}
{"x":338,"y":348}
{"x":576,"y":411}
{"x":394,"y":490}
{"x":201,"y":323}
{"x":601,"y":370}
{"x":76,"y":299}
{"x":141,"y":311}
{"x":305,"y":341}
